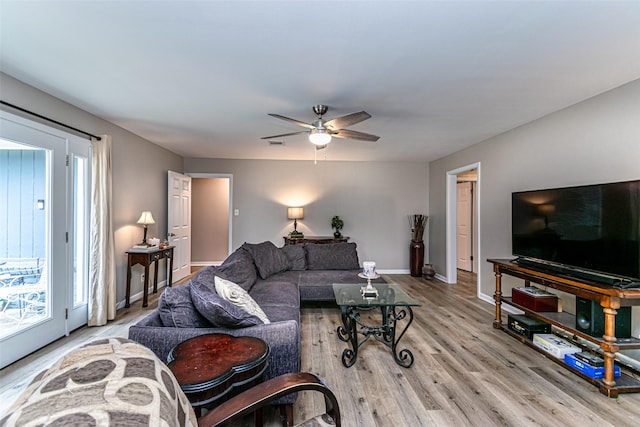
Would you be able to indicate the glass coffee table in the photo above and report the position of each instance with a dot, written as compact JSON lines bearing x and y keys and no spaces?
{"x":395,"y":307}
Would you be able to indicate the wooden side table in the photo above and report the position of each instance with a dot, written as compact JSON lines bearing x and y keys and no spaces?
{"x":314,"y":239}
{"x":209,"y":367}
{"x":146,"y":257}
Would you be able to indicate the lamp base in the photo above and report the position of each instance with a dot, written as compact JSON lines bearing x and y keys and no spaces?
{"x":296,"y":234}
{"x":144,"y":244}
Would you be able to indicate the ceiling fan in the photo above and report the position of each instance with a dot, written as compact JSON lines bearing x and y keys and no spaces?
{"x":321,"y":131}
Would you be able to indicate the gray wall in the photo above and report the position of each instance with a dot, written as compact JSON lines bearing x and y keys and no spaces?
{"x":139,"y":171}
{"x":595,"y":141}
{"x":373,"y":198}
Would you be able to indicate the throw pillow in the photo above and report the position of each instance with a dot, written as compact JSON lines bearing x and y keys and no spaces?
{"x":239,"y":268}
{"x":177,"y":310}
{"x":236,"y":295}
{"x":219,"y":312}
{"x":332,"y":256}
{"x":268,"y":259}
{"x":296,"y":256}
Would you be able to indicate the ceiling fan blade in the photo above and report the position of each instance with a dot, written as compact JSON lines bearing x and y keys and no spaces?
{"x":284,"y":134}
{"x":352,"y":134}
{"x":348,"y":120}
{"x":298,"y":122}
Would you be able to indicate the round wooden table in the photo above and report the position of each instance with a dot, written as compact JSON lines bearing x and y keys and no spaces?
{"x":208,"y":367}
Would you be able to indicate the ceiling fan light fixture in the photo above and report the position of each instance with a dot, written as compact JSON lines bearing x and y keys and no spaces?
{"x":319,"y":137}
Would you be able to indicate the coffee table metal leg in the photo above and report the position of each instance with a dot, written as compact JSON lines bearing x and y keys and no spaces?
{"x":348,"y":333}
{"x":403,"y":357}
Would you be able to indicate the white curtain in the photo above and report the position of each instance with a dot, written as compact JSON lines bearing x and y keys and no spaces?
{"x":102,"y":270}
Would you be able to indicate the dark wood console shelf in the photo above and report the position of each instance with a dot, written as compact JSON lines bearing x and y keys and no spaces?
{"x":608,"y":297}
{"x":288,"y":240}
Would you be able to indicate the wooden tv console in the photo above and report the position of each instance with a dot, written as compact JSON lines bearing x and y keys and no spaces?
{"x":608,"y":297}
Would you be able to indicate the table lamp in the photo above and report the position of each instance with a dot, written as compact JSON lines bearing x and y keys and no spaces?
{"x":145,"y":219}
{"x":295,"y":214}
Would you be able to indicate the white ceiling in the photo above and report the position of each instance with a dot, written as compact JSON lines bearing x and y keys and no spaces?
{"x":199,"y":77}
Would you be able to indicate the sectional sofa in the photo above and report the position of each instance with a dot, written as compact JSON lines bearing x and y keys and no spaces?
{"x":277,"y":279}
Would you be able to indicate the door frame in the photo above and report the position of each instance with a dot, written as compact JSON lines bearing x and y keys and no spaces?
{"x":451,"y":223}
{"x":230,"y":178}
{"x":59,"y":260}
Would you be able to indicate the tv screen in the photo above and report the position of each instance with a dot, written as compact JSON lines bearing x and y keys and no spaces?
{"x":593,"y":227}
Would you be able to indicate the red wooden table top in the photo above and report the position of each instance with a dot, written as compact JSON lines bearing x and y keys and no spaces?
{"x":214,"y":360}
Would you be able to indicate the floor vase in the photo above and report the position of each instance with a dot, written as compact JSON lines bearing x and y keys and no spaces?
{"x":416,"y":255}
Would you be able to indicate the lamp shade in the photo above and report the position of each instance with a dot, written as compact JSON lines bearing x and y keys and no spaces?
{"x":295,"y":213}
{"x":146,"y":218}
{"x":319,"y":137}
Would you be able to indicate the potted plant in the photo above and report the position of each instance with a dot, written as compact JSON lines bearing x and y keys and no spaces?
{"x":337,"y":223}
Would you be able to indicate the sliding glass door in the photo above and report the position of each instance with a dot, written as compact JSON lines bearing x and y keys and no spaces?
{"x":44,"y":176}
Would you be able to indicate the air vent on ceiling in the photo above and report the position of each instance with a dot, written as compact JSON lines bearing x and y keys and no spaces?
{"x":276,"y":143}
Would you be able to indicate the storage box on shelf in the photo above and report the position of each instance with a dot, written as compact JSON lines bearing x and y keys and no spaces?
{"x":527,"y":326}
{"x":535,"y":299}
{"x":588,"y":369}
{"x":608,"y":297}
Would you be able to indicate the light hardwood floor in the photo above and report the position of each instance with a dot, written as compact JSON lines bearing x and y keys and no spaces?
{"x":465,"y":372}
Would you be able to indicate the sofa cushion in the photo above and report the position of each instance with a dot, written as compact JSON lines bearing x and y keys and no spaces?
{"x":112,"y":381}
{"x":177,"y":310}
{"x":332,"y":256}
{"x":268,"y":259}
{"x":238,"y":268}
{"x":267,"y":292}
{"x":239,"y":297}
{"x":297,"y":257}
{"x":279,"y":300}
{"x":218,"y":311}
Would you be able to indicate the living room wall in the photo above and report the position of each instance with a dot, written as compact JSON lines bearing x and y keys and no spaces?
{"x":373,"y":198}
{"x":139,"y":171}
{"x":594,"y":141}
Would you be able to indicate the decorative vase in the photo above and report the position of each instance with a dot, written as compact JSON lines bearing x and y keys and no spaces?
{"x":428,"y":272}
{"x":416,"y":257}
{"x":337,"y":235}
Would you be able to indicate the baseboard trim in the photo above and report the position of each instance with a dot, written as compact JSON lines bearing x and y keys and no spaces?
{"x":139,"y":295}
{"x":400,"y":271}
{"x":205,"y":263}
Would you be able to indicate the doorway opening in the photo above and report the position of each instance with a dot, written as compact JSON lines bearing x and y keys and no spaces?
{"x":463,"y":242}
{"x":211,"y":218}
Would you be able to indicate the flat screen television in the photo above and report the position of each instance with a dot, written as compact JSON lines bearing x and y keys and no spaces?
{"x":595,"y":228}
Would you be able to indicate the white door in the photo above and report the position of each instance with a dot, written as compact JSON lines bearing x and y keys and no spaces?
{"x":36,"y":262}
{"x":464,"y":229}
{"x":179,"y":222}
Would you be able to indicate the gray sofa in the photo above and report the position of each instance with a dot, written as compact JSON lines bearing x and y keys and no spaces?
{"x":278,"y":279}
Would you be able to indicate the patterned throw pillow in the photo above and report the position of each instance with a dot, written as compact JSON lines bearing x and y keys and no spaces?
{"x":107,"y":382}
{"x":218,"y":311}
{"x":236,"y":295}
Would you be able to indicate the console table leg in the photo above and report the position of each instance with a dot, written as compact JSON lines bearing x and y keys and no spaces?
{"x":128,"y":292}
{"x":609,"y":346}
{"x":145,"y":291}
{"x":497,"y":296}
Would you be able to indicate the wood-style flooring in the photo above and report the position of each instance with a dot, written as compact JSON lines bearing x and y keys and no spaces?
{"x":465,"y":372}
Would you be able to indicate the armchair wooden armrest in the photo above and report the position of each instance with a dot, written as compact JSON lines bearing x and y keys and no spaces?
{"x":268,"y":391}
